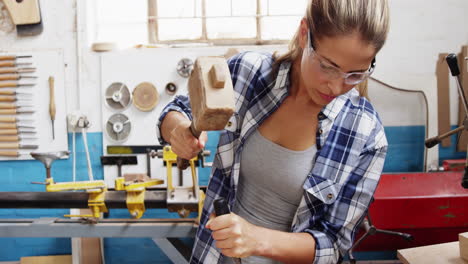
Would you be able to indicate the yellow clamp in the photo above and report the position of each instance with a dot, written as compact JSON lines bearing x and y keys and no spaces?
{"x":135,"y":194}
{"x":170,"y":158}
{"x":96,"y":189}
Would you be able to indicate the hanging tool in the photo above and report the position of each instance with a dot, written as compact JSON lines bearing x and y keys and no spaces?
{"x":211,"y":97}
{"x":52,"y":109}
{"x":15,"y":138}
{"x":16,"y":131}
{"x":13,"y":57}
{"x":12,"y":153}
{"x":15,"y":112}
{"x":13,"y":99}
{"x":12,"y":77}
{"x":14,"y":126}
{"x":17,"y":146}
{"x":12,"y":119}
{"x":26,"y":15}
{"x":12,"y":106}
{"x":15,"y":93}
{"x":13,"y":63}
{"x":17,"y":70}
{"x":14,"y":84}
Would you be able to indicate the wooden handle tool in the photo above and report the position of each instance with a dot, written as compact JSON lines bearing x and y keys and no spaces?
{"x":17,"y":70}
{"x":52,"y":110}
{"x":9,"y":131}
{"x":13,"y":138}
{"x":10,"y":77}
{"x":211,"y":97}
{"x":8,"y":119}
{"x":10,"y":63}
{"x":14,"y":84}
{"x":9,"y":153}
{"x":15,"y":145}
{"x":14,"y":112}
{"x":13,"y":57}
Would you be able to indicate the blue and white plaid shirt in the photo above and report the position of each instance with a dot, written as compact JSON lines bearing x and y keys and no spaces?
{"x":351,"y":149}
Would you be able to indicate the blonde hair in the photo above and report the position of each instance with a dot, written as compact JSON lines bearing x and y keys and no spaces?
{"x":330,"y":18}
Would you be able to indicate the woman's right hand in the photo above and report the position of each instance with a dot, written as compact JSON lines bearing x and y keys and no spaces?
{"x":183,"y":143}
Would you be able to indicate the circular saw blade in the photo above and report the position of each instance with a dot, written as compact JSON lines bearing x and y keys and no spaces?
{"x":118,"y":127}
{"x":145,"y":97}
{"x":118,"y":96}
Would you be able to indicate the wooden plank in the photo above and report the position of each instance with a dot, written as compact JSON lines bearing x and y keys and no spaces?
{"x":447,"y":253}
{"x":443,"y":97}
{"x":462,"y":143}
{"x":61,"y":259}
{"x":463,"y":240}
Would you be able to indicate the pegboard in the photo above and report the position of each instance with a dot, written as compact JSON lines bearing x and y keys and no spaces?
{"x":47,"y":63}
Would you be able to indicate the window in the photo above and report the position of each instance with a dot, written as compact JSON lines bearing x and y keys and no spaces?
{"x":200,"y":21}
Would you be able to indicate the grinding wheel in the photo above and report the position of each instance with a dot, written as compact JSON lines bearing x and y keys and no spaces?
{"x":145,"y":97}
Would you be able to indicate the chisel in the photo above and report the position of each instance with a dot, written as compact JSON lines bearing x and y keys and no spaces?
{"x":14,"y":84}
{"x":13,"y":99}
{"x":17,"y":70}
{"x":17,"y":146}
{"x":14,"y":126}
{"x":12,"y":106}
{"x":52,"y":109}
{"x":11,"y":153}
{"x":13,"y":63}
{"x":13,"y":57}
{"x":14,"y":138}
{"x":12,"y":119}
{"x":12,"y":77}
{"x":15,"y":112}
{"x":14,"y":93}
{"x":15,"y":131}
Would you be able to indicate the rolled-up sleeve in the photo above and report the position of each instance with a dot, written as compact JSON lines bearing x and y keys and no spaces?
{"x":334,"y":232}
{"x":180,"y":104}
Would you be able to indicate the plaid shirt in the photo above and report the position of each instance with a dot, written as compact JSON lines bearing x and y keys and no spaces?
{"x":351,"y":149}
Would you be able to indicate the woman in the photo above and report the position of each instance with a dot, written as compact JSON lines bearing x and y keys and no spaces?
{"x":303,"y":153}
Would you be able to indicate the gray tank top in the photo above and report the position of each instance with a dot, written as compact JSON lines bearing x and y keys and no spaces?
{"x":270,"y":185}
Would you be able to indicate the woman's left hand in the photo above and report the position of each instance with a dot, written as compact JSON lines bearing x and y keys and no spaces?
{"x":234,"y":235}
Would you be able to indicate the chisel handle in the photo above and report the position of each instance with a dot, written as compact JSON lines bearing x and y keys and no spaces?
{"x":7,"y":64}
{"x":8,"y":119}
{"x":14,"y":145}
{"x":8,"y":112}
{"x":9,"y":132}
{"x":183,"y":163}
{"x":9,"y":84}
{"x":221,"y":208}
{"x":52,"y":109}
{"x":9,"y":77}
{"x":7,"y":98}
{"x":9,"y":138}
{"x":8,"y":125}
{"x":9,"y":153}
{"x":8,"y":106}
{"x":8,"y":70}
{"x":7,"y":93}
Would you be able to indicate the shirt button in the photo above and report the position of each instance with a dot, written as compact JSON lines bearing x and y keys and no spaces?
{"x":321,"y":116}
{"x":320,"y":131}
{"x":329,"y":196}
{"x":229,"y":124}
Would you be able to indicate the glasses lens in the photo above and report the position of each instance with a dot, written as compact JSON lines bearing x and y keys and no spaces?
{"x":355,"y":78}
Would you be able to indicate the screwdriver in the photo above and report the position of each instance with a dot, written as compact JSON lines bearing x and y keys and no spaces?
{"x":14,"y":84}
{"x":17,"y":70}
{"x":9,"y":98}
{"x":13,"y":57}
{"x":12,"y":77}
{"x":13,"y":63}
{"x":14,"y":112}
{"x":52,"y":109}
{"x":15,"y":138}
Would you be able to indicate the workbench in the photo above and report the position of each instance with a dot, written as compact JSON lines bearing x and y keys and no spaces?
{"x":445,"y":253}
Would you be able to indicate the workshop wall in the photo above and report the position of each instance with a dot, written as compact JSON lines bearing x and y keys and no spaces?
{"x":420,"y":30}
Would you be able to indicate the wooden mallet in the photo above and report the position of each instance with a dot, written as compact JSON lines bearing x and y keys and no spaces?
{"x":211,"y":97}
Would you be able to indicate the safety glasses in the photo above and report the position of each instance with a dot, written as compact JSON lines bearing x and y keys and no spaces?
{"x":331,"y":72}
